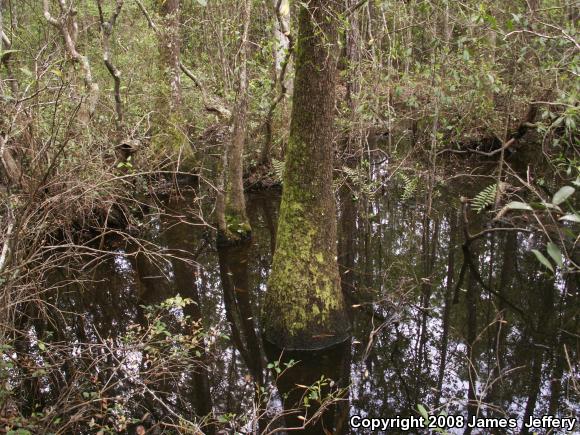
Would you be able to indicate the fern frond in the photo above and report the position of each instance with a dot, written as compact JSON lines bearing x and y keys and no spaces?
{"x":359,"y":178}
{"x":278,"y":167}
{"x":409,"y":186}
{"x":484,"y":198}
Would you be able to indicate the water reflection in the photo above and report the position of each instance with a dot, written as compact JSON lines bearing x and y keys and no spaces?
{"x":314,"y":388}
{"x":496,"y":339}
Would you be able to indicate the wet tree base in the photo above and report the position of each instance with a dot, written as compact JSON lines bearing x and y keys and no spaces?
{"x":260,"y":177}
{"x":226,"y":239}
{"x":312,"y":338}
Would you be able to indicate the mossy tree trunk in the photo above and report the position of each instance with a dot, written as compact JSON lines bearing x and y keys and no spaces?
{"x":304,"y":306}
{"x":233,"y":223}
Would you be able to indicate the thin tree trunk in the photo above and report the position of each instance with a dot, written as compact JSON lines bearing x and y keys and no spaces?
{"x":282,"y":54}
{"x":107,"y":27}
{"x":353,"y":57}
{"x":233,"y":223}
{"x":6,"y":45}
{"x":471,"y":297}
{"x":11,"y":167}
{"x":170,"y":47}
{"x":169,"y":135}
{"x":282,"y":36}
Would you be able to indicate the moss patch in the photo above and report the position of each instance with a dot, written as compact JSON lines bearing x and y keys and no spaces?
{"x":304,"y":300}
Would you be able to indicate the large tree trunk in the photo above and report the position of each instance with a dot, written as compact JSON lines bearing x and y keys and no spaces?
{"x":304,"y":307}
{"x":233,"y":223}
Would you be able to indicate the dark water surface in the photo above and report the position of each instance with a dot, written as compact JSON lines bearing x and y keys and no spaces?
{"x":418,"y":337}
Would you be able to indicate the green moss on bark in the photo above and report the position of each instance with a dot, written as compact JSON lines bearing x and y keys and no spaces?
{"x":237,"y":230}
{"x":304,"y":307}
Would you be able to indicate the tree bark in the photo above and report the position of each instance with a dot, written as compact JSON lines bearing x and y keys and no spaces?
{"x":6,"y":45}
{"x":10,"y":166}
{"x":353,"y":57}
{"x":107,"y":27}
{"x":169,"y":135}
{"x":304,"y":306}
{"x":233,"y":223}
{"x":170,"y":48}
{"x":282,"y":54}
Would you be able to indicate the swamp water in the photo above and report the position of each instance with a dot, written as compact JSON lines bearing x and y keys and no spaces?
{"x":418,"y":337}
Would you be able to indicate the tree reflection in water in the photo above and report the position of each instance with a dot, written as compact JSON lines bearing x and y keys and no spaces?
{"x":424,"y":332}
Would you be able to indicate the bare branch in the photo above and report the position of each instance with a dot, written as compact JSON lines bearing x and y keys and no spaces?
{"x":61,"y":24}
{"x":147,"y":16}
{"x":48,"y":15}
{"x":208,"y":103}
{"x":107,"y":31}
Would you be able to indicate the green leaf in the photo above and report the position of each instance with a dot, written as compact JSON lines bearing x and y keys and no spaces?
{"x":26,"y":71}
{"x":517,"y":205}
{"x":574,"y":217}
{"x":543,"y":259}
{"x":423,"y":412}
{"x":202,"y":2}
{"x":555,"y":253}
{"x":466,"y":55}
{"x":563,"y":194}
{"x":545,"y":206}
